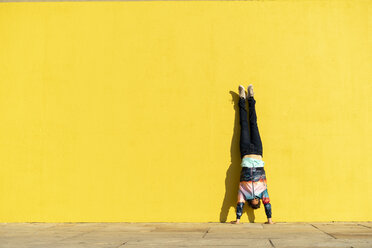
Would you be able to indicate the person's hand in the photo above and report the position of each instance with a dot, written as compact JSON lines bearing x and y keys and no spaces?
{"x":269,"y":221}
{"x":235,"y":222}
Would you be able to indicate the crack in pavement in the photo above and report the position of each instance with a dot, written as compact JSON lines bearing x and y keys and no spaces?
{"x":122,"y":244}
{"x":271,"y":242}
{"x":206,"y":232}
{"x":364,"y":225}
{"x":323,"y":231}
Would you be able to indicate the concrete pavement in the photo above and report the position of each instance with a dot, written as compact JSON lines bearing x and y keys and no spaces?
{"x":115,"y":235}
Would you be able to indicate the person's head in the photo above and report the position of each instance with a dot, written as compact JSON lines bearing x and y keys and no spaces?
{"x":255,"y":203}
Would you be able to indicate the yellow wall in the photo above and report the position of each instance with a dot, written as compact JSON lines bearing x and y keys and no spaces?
{"x":125,"y":111}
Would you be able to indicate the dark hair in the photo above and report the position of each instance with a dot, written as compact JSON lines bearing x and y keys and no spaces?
{"x":254,"y":206}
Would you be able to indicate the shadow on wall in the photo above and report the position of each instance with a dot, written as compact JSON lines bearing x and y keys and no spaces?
{"x":233,"y":172}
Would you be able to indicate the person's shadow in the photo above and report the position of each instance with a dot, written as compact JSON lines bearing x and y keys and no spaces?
{"x":233,"y":172}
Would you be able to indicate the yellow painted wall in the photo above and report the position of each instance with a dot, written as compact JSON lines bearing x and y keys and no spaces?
{"x":126,"y":111}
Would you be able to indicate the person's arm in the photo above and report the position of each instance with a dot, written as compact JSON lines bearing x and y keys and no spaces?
{"x":239,"y":212}
{"x":266,"y":202}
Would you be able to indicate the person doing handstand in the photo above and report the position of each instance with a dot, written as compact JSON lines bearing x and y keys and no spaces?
{"x":252,"y":186}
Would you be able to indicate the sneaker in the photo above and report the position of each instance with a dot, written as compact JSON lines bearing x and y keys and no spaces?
{"x":250,"y":90}
{"x":241,"y":91}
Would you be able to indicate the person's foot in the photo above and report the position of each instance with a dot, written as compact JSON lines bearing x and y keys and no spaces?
{"x":235,"y":222}
{"x":241,"y":91}
{"x":250,"y":90}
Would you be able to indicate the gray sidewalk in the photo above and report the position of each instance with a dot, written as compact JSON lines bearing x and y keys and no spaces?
{"x":114,"y":235}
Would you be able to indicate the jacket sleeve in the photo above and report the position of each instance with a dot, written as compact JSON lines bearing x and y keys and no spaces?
{"x":239,"y":209}
{"x":266,"y":202}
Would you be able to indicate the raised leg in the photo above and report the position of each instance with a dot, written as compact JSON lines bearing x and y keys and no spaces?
{"x":255,"y":134}
{"x":245,"y":139}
